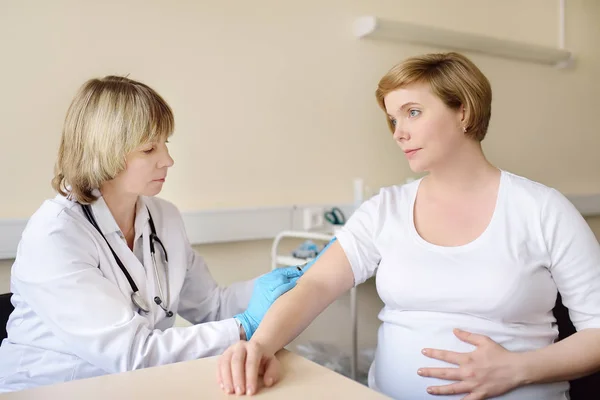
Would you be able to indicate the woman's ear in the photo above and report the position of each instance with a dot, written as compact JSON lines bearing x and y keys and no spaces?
{"x":464,"y":117}
{"x":463,"y":114}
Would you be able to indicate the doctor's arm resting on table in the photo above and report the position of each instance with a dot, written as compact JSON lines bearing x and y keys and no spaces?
{"x":82,"y":280}
{"x":96,"y":321}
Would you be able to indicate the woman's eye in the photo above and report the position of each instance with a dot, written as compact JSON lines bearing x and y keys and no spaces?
{"x":414,"y":113}
{"x":148,"y":151}
{"x":393,"y":121}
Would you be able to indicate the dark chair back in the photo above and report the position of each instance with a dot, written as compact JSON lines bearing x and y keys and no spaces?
{"x":6,"y":308}
{"x":588,"y":387}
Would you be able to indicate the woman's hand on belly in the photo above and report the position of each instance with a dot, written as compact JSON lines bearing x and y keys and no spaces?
{"x":490,"y":370}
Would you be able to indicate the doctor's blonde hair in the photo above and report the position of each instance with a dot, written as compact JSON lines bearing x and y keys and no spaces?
{"x":107,"y":119}
{"x":453,"y":78}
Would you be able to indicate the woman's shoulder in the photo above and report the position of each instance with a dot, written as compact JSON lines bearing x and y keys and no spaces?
{"x":399,"y":190}
{"x":398,"y":194}
{"x":390,"y":202}
{"x":526,"y":193}
{"x":526,"y":185}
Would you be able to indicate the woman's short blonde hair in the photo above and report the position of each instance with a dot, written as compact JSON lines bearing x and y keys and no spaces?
{"x":106,"y":120}
{"x":453,"y":78}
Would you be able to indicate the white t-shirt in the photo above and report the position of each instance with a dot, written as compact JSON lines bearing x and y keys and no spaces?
{"x":503,"y":284}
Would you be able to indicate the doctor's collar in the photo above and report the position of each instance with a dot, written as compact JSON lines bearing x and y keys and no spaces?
{"x":107,"y":222}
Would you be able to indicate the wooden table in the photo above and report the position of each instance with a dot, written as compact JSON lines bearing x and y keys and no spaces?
{"x":302,"y":379}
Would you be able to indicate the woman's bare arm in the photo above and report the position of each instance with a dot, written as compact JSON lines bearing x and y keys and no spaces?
{"x":324,"y":282}
{"x":328,"y":278}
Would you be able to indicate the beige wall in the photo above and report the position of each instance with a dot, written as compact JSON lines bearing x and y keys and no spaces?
{"x":267,"y":93}
{"x":594,"y":223}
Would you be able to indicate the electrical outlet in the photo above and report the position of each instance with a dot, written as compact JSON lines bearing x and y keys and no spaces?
{"x":312,"y":218}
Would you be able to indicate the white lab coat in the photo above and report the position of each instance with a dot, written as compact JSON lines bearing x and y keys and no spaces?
{"x":74,"y":317}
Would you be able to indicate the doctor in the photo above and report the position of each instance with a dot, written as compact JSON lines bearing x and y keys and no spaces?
{"x":103,"y":268}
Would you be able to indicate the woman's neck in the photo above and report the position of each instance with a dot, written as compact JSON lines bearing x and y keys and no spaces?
{"x":122,"y":207}
{"x":467,"y":171}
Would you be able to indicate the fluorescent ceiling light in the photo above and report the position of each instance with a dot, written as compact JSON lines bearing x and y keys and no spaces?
{"x":379,"y":28}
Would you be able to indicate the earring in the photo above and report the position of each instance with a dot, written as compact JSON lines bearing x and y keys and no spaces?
{"x":464,"y":129}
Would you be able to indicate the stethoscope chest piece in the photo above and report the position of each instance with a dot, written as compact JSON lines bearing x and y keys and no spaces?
{"x":139,"y":302}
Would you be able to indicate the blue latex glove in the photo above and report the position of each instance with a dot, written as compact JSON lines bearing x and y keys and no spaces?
{"x":267,"y":289}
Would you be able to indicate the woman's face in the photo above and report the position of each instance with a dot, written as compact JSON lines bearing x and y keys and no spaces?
{"x":428,"y":132}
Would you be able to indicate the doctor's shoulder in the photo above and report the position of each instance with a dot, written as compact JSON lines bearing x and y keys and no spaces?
{"x":56,"y":214}
{"x":54,"y":241}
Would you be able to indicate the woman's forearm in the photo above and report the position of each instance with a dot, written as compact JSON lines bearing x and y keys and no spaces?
{"x":571,"y":358}
{"x":289,"y":316}
{"x":325,"y":281}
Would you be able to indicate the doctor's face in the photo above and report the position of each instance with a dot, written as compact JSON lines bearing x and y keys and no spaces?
{"x":146,"y":169}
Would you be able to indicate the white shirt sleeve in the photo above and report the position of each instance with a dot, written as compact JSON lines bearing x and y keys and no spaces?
{"x":357,"y":238}
{"x":202,"y":300}
{"x":574,"y":255}
{"x":58,"y":276}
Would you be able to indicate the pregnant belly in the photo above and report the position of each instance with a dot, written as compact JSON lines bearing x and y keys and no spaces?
{"x":398,"y":357}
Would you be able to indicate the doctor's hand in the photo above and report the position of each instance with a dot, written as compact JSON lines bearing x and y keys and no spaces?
{"x":241,"y":365}
{"x":267,"y":289}
{"x":488,"y":371}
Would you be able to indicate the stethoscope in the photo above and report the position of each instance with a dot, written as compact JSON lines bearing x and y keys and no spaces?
{"x":136,"y":298}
